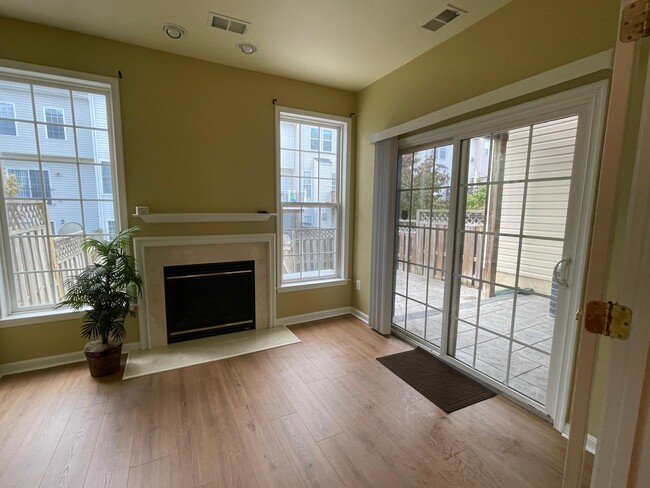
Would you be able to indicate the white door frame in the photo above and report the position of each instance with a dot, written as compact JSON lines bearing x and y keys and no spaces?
{"x":627,"y":361}
{"x":599,"y":256}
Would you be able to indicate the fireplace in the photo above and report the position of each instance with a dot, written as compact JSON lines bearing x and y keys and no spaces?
{"x":154,"y":254}
{"x":203,"y":300}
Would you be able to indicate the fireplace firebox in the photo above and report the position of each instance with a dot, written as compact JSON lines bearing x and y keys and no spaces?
{"x":203,"y":300}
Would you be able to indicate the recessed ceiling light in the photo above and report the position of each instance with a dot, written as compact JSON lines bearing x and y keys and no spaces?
{"x":174,"y":31}
{"x":247,"y":48}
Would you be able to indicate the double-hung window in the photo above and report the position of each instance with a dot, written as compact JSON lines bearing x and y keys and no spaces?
{"x":312,"y":198}
{"x":55,"y":118}
{"x":57,"y":182}
{"x":30,"y":183}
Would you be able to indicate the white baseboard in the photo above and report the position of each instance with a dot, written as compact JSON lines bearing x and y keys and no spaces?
{"x":360,"y":315}
{"x":51,"y":361}
{"x":308,"y":317}
{"x":592,"y":442}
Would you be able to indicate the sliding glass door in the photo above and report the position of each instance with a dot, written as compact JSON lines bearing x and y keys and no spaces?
{"x":514,"y":198}
{"x":484,"y":247}
{"x":423,"y":202}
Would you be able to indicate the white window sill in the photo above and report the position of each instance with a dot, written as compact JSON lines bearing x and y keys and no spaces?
{"x":311,"y":285}
{"x":39,"y":317}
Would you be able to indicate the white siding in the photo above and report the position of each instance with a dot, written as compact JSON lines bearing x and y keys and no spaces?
{"x":552,"y":149}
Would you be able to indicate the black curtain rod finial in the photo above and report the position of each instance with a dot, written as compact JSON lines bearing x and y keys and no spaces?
{"x":275,"y":100}
{"x":119,"y":74}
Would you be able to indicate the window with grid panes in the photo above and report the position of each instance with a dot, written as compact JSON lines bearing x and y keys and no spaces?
{"x":57,"y":175}
{"x":312,"y":218}
{"x":55,"y":119}
{"x":7,"y":114}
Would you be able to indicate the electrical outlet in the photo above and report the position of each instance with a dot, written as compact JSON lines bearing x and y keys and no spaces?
{"x":358,"y":284}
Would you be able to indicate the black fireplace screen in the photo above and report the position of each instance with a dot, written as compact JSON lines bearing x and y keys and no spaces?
{"x":203,"y":300}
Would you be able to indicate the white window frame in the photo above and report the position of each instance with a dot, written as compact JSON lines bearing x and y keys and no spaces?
{"x":13,"y":108}
{"x":343,"y":176}
{"x":24,"y":72}
{"x":52,"y":124}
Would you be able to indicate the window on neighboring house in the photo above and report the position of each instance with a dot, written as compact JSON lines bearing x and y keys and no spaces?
{"x":30,"y":183}
{"x":55,"y":195}
{"x":54,"y":116}
{"x":327,"y":140}
{"x":307,"y":184}
{"x":7,"y":127}
{"x":314,"y":140}
{"x":107,"y":179}
{"x":313,"y":208}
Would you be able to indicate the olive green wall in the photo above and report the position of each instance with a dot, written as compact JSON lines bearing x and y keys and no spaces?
{"x":524,"y":38}
{"x":198,"y":137}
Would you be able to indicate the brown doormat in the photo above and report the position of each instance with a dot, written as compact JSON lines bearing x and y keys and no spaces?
{"x":448,"y":388}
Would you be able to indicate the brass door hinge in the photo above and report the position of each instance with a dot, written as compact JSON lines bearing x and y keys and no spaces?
{"x":608,"y":319}
{"x":635,"y":21}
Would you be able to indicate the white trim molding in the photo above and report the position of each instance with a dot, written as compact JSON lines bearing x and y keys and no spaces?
{"x":52,"y":361}
{"x":592,"y":441}
{"x":312,"y":285}
{"x":168,"y":218}
{"x":360,"y":315}
{"x":309,"y":317}
{"x":39,"y":317}
{"x":626,"y":371}
{"x":556,"y":76}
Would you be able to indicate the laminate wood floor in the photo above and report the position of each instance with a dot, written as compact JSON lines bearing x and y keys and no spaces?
{"x":323,"y":413}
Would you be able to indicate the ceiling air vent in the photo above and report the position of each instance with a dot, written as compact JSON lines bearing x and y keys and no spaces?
{"x":226,"y":23}
{"x":443,"y":18}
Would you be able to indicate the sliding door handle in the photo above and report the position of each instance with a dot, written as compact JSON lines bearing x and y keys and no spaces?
{"x":560,"y":272}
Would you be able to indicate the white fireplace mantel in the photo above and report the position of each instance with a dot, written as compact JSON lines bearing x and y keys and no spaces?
{"x":170,"y":218}
{"x":150,"y":303}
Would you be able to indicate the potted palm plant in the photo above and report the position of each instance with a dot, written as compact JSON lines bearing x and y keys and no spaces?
{"x":105,"y":290}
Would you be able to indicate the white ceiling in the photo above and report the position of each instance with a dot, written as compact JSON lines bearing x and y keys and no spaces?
{"x":341,"y":43}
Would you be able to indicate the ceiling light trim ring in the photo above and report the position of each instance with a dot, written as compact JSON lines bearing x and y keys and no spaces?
{"x":174,"y":31}
{"x":246,"y":48}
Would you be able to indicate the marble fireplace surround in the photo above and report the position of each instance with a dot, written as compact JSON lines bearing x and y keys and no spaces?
{"x":153,"y":253}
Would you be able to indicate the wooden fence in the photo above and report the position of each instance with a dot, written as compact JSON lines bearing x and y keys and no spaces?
{"x":302,"y":250}
{"x":423,"y":242}
{"x":41,"y":263}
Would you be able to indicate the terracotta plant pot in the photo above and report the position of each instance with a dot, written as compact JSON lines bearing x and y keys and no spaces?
{"x":103,"y":359}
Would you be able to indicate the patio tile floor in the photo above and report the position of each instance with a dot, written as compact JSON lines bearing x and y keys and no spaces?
{"x":533,"y":329}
